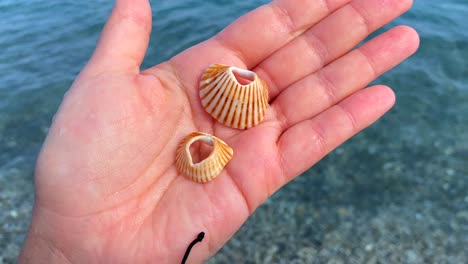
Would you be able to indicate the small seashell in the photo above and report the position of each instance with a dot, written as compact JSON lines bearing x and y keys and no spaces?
{"x":207,"y":169}
{"x":231,"y":103}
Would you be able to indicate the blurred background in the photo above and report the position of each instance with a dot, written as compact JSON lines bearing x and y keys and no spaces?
{"x":395,"y":193}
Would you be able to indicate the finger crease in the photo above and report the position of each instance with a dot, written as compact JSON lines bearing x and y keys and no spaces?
{"x":362,"y":17}
{"x":280,"y":115}
{"x":329,"y":88}
{"x":370,"y":62}
{"x":350,"y":117}
{"x":283,"y":15}
{"x":140,"y":20}
{"x":320,"y":140}
{"x":317,"y":47}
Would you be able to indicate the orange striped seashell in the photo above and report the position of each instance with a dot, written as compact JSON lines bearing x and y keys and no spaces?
{"x":231,"y":103}
{"x":207,"y":169}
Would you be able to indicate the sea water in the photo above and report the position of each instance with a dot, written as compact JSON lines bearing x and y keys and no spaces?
{"x":395,"y":193}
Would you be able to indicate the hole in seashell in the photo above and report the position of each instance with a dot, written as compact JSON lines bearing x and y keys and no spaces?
{"x":243,"y":77}
{"x":200,"y":150}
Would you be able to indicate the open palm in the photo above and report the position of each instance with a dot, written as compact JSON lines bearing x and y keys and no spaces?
{"x":107,"y":190}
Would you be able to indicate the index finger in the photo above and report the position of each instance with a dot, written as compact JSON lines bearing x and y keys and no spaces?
{"x":256,"y":35}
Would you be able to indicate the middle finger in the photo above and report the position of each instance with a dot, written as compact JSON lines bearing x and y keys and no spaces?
{"x":329,"y":39}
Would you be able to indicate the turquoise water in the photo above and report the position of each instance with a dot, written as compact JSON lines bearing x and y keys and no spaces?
{"x":402,"y":182}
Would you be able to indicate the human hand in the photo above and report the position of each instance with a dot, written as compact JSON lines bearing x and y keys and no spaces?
{"x":107,"y":190}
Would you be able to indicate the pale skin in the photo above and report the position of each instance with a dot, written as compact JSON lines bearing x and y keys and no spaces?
{"x":107,"y":189}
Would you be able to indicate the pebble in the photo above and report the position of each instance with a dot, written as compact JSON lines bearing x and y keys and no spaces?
{"x":369,"y":247}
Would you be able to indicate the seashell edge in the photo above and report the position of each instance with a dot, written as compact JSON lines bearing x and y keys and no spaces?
{"x":229,"y":102}
{"x":209,"y":168}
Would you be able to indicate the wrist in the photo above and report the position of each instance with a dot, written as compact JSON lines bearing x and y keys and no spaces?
{"x":38,"y":249}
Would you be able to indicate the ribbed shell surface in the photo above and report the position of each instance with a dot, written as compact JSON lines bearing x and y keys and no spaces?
{"x":207,"y":169}
{"x":231,"y":103}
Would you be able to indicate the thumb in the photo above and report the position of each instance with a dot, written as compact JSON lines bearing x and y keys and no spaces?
{"x":125,"y":37}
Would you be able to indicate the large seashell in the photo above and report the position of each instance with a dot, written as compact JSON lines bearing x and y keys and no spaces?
{"x":207,"y":169}
{"x":231,"y":103}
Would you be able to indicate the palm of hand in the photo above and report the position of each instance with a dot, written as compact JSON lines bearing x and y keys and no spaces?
{"x":117,"y":157}
{"x":106,"y":174}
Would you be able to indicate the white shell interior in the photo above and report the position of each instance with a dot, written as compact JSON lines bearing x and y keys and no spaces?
{"x":208,"y":140}
{"x":246,"y":74}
